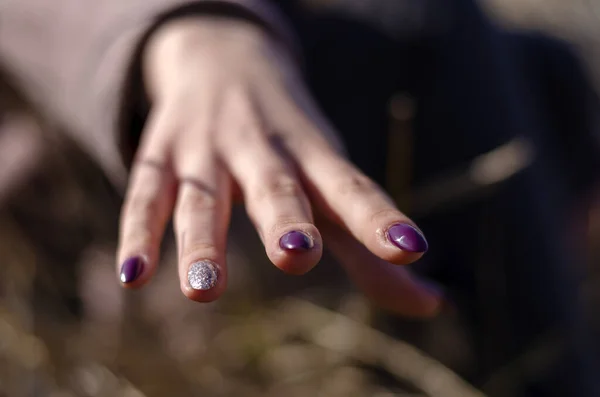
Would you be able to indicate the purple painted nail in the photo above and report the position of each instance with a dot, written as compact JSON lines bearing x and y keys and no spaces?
{"x":131,"y":269}
{"x":407,"y":238}
{"x":296,"y":241}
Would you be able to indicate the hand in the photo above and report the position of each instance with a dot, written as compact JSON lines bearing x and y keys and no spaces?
{"x":232,"y":117}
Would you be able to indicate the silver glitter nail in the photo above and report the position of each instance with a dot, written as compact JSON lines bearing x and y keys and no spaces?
{"x":203,"y":275}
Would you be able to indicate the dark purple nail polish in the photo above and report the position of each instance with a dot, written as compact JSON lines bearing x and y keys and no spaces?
{"x":407,"y":238}
{"x":131,"y":269}
{"x":296,"y":241}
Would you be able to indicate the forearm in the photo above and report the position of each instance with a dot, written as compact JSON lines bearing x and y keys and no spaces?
{"x":75,"y":59}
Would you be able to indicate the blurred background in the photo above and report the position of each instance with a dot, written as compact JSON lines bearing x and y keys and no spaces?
{"x":67,"y":329}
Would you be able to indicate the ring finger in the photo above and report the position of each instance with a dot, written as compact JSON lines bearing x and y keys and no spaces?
{"x":201,"y":219}
{"x":275,"y":200}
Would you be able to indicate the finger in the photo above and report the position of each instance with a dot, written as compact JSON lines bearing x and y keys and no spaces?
{"x":390,"y":287}
{"x":201,"y":219}
{"x":146,"y":209}
{"x":278,"y":207}
{"x":341,"y":191}
{"x":354,"y":201}
{"x":273,"y":195}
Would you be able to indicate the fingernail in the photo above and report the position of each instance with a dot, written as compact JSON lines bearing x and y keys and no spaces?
{"x":407,"y":238}
{"x":203,"y":275}
{"x":131,"y":269}
{"x":296,"y":241}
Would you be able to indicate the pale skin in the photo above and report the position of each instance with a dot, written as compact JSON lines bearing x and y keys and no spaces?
{"x":232,"y":119}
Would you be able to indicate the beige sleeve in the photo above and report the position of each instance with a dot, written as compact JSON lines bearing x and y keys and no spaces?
{"x":73,"y":59}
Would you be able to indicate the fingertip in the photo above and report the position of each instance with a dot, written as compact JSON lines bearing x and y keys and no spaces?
{"x":427,"y":300}
{"x":297,"y":251}
{"x":400,"y":243}
{"x":395,"y":256}
{"x":205,"y":281}
{"x":395,"y":289}
{"x":296,"y":242}
{"x":199,"y":296}
{"x":429,"y":306}
{"x":298,"y":266}
{"x":422,"y":307}
{"x":134,"y":271}
{"x":407,"y":238}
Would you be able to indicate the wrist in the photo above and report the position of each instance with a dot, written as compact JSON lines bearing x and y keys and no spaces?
{"x":180,"y":41}
{"x":216,"y":21}
{"x":140,"y":92}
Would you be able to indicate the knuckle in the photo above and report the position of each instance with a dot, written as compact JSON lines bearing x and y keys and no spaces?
{"x":139,"y":220}
{"x":138,"y":236}
{"x":278,"y":185}
{"x":193,"y":202}
{"x":141,"y":204}
{"x":356,"y":184}
{"x":198,"y":201}
{"x":241,"y":113}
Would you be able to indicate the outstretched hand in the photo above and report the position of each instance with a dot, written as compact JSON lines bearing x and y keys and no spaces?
{"x":231,"y":118}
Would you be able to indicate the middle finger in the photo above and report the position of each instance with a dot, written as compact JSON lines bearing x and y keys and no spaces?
{"x":274,"y":197}
{"x":354,"y":201}
{"x":201,"y":219}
